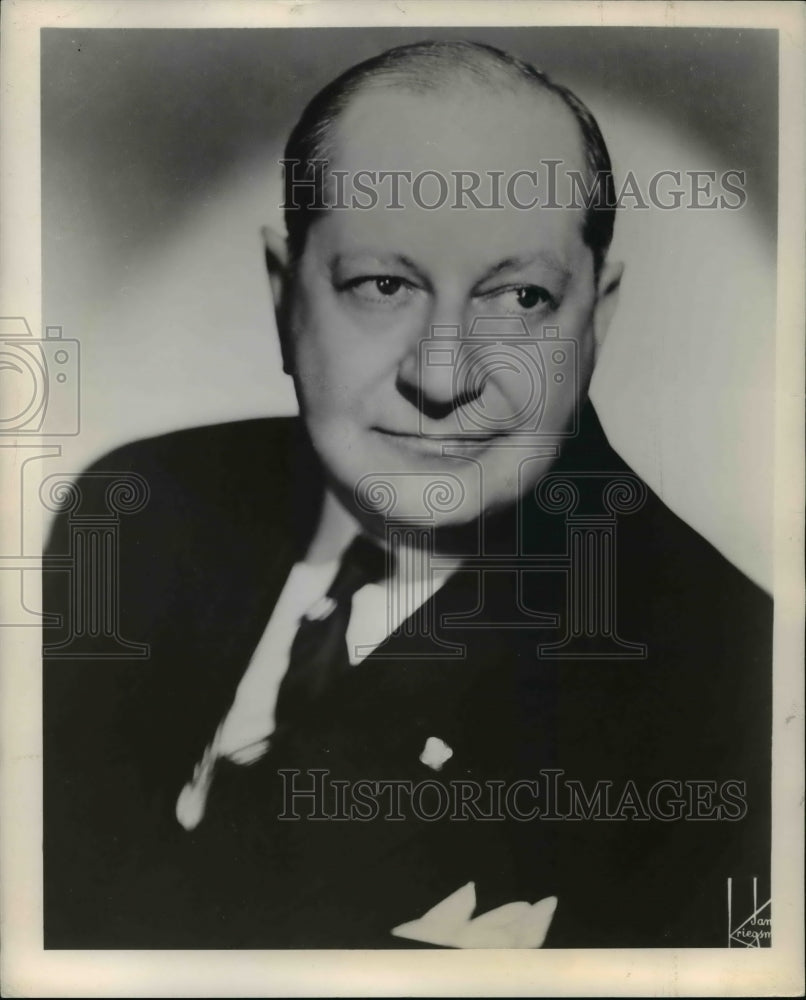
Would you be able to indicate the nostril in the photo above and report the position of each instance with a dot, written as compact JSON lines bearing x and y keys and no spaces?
{"x":430,"y":406}
{"x":435,"y":409}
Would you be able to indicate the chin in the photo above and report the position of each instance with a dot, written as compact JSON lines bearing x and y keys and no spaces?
{"x":384,"y":484}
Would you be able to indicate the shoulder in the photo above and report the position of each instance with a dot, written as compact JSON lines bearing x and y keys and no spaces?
{"x":180,"y":512}
{"x":197,"y":470}
{"x":688,"y":570}
{"x":652,"y":535}
{"x":185,"y":501}
{"x":671,"y":589}
{"x":192,"y":453}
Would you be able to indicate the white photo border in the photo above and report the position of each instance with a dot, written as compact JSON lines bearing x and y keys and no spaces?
{"x":27,"y":969}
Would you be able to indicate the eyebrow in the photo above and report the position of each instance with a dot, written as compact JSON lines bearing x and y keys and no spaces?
{"x":543,"y":257}
{"x":382,"y":259}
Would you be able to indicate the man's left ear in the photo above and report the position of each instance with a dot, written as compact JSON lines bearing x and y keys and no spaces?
{"x":606,"y":299}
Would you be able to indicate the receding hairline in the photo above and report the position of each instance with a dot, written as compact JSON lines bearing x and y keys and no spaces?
{"x":339,"y":137}
{"x":424,"y":67}
{"x":444,"y":68}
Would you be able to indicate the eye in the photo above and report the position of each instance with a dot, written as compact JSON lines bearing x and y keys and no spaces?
{"x":388,"y":285}
{"x":529,"y":296}
{"x":379,"y":289}
{"x":521,"y":299}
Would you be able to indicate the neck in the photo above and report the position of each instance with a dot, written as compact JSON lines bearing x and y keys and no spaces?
{"x":337,"y":527}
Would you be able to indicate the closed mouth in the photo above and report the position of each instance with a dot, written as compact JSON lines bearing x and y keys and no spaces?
{"x":443,"y":438}
{"x":435,"y":443}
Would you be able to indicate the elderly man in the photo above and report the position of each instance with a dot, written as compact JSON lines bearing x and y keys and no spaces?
{"x":429,"y":665}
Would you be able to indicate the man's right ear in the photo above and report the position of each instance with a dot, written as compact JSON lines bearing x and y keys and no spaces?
{"x":275,"y":248}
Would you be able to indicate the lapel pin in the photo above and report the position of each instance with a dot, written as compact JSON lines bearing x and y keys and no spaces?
{"x":435,"y":753}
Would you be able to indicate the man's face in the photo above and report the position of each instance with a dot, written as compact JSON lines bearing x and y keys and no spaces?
{"x":395,"y":382}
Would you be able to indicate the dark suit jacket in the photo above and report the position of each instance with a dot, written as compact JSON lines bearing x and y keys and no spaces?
{"x":231,"y":508}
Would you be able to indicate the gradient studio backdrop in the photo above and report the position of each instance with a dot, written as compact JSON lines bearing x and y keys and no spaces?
{"x":159,"y":164}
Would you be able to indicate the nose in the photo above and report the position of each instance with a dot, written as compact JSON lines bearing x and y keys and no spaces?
{"x":429,"y":376}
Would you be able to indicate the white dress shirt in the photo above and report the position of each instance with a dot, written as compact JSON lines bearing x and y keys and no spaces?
{"x":378,"y":609}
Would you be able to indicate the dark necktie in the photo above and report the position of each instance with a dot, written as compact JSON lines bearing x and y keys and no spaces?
{"x":319,"y":654}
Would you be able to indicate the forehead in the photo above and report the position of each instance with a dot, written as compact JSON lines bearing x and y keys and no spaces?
{"x":462,"y":131}
{"x":464,"y":125}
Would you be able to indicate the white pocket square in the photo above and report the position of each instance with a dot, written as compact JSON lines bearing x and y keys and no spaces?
{"x":449,"y":923}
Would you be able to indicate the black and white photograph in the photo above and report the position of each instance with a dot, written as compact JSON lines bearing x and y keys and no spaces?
{"x":402,"y":442}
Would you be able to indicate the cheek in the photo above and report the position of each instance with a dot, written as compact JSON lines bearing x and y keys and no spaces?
{"x":338,"y":373}
{"x":551,"y":373}
{"x":337,"y":352}
{"x":587,"y":357}
{"x":576,"y":324}
{"x":322,"y":347}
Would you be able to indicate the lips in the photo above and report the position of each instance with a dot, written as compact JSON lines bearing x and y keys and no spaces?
{"x":435,"y":445}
